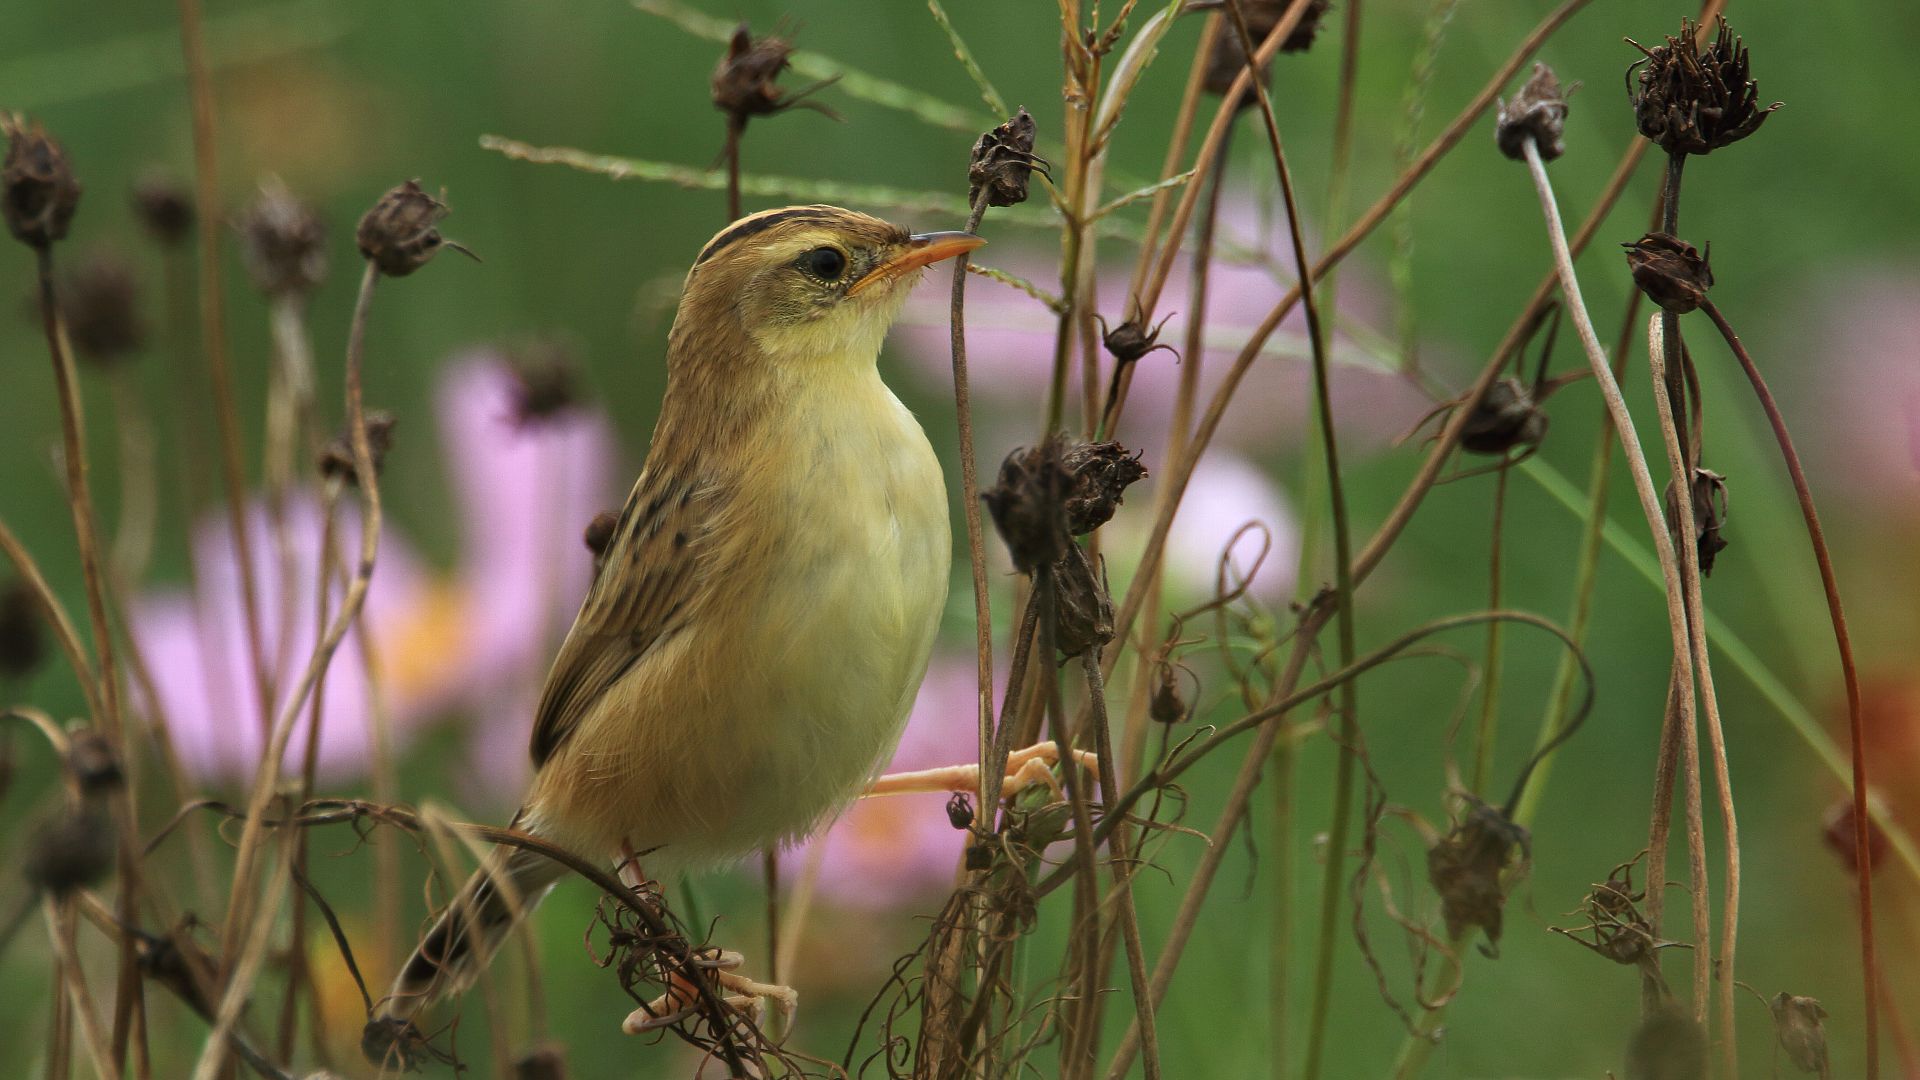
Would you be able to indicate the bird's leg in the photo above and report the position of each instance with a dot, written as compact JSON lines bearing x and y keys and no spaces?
{"x":1025,"y":768}
{"x":739,"y":992}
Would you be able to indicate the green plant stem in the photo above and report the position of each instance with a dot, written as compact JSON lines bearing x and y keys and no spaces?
{"x":1843,"y":644}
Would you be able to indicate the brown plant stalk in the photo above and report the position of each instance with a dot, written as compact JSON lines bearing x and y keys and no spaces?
{"x":1649,"y":507}
{"x":1843,"y":644}
{"x":1722,"y":969}
{"x":1349,"y":707}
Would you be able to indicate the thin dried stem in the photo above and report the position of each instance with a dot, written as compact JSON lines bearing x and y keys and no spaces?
{"x":60,"y":928}
{"x":56,"y":615}
{"x":1843,"y":644}
{"x":1349,"y":708}
{"x":1682,"y":716}
{"x":1722,"y":969}
{"x":1120,"y":865}
{"x":1177,"y":473}
{"x":94,"y":571}
{"x":1586,"y":574}
{"x":207,"y":217}
{"x":240,"y":907}
{"x":970,"y":511}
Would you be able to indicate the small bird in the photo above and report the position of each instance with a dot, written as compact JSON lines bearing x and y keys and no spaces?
{"x":760,"y":623}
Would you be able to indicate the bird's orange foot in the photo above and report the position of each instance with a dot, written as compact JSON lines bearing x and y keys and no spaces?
{"x":1026,"y":768}
{"x":718,"y":966}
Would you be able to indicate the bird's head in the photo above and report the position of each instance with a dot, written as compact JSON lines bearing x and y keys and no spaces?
{"x":806,"y":284}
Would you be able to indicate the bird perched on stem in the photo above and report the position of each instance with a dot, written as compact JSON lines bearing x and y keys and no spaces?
{"x":767,"y":598}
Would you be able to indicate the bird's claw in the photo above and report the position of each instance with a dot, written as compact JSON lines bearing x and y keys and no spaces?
{"x":681,"y":1000}
{"x":1030,"y":767}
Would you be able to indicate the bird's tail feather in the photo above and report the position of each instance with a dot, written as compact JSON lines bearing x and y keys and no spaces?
{"x":460,"y":944}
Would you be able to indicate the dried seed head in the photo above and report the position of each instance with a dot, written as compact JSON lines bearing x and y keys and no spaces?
{"x":1620,"y":932}
{"x":1166,"y":706}
{"x":336,"y":459}
{"x":1507,"y":416}
{"x":960,"y":811}
{"x":1694,"y":100}
{"x":1465,"y":869}
{"x":93,"y":763}
{"x":164,"y":207}
{"x":1227,"y":59}
{"x":599,"y":534}
{"x":70,"y":851}
{"x":100,"y":299}
{"x":38,"y":193}
{"x":1668,"y":1045}
{"x":1083,"y":609}
{"x":1672,"y":272}
{"x":1100,"y":474}
{"x":1028,"y":505}
{"x":979,"y":857}
{"x":545,"y":381}
{"x":745,"y":82}
{"x":1844,"y":841}
{"x":284,"y":242}
{"x":1131,"y":340}
{"x":1709,"y":515}
{"x":22,"y":638}
{"x":548,"y":1062}
{"x":401,"y":233}
{"x":1799,"y":1024}
{"x":1003,"y":162}
{"x":1538,"y":112}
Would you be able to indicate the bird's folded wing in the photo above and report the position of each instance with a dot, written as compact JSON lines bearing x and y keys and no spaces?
{"x":647,"y":576}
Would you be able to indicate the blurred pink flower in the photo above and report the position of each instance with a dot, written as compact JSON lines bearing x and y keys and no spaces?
{"x":1227,"y":493}
{"x":197,"y":650}
{"x":1010,"y":339}
{"x":887,"y":852}
{"x":1863,"y":386}
{"x":478,"y":639}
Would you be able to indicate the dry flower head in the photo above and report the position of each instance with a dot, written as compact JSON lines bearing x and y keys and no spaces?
{"x":38,"y":192}
{"x":1673,"y":273}
{"x":1694,"y":99}
{"x":283,"y":241}
{"x":1538,"y":112}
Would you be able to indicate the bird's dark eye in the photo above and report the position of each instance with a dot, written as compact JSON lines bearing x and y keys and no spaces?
{"x":825,"y":263}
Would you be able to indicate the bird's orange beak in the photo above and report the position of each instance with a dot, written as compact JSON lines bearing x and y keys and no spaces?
{"x":921,"y":249}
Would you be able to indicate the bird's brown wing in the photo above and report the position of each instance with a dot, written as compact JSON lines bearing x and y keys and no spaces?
{"x":646,"y":578}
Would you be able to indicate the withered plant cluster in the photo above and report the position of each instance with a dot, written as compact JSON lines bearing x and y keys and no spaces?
{"x":1109,"y":679}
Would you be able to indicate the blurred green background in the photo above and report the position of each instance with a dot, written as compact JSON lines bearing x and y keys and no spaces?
{"x":1816,"y":244}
